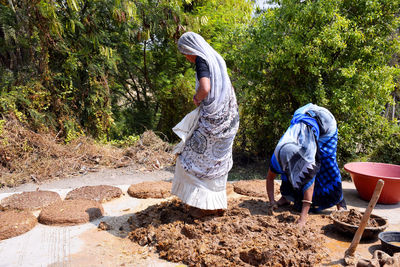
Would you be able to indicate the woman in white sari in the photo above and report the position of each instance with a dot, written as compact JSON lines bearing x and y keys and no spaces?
{"x":202,"y":167}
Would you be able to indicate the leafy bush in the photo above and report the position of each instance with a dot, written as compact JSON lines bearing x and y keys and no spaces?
{"x":389,"y":150}
{"x":332,"y":53}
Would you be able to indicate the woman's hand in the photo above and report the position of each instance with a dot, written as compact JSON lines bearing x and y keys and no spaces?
{"x":195,"y":101}
{"x":272,"y":206}
{"x":302,"y":221}
{"x":307,"y":201}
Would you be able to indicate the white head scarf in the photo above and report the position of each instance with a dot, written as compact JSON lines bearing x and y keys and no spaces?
{"x":192,"y":43}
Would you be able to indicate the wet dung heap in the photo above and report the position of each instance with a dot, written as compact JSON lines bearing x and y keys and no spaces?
{"x":29,"y":200}
{"x":354,"y":217}
{"x":71,"y":212}
{"x":254,"y":188}
{"x":159,"y":189}
{"x":244,"y":236}
{"x":15,"y":222}
{"x":101,"y":193}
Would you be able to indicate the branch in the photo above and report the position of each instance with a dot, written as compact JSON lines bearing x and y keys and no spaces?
{"x":11,"y":5}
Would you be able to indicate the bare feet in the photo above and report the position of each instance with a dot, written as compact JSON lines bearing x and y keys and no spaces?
{"x":200,"y":213}
{"x":282,"y":202}
{"x":272,"y":206}
{"x":340,"y":208}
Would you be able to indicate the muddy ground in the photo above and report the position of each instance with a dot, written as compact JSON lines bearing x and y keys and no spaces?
{"x":243,"y":236}
{"x":88,"y":245}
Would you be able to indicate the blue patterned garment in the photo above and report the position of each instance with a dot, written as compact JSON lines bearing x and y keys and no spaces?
{"x":328,"y":184}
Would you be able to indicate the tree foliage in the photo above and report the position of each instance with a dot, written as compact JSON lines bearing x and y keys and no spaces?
{"x":111,"y":68}
{"x":333,"y":53}
{"x":106,"y":68}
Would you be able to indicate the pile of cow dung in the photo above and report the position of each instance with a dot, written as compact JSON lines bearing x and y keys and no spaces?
{"x":101,"y":193}
{"x":254,"y":188}
{"x":153,"y":189}
{"x":353,"y":217}
{"x":245,"y":235}
{"x":29,"y":200}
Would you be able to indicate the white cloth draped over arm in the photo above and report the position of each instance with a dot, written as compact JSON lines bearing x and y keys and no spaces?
{"x":184,"y":129}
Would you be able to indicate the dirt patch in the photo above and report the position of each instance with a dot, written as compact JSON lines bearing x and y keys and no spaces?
{"x":244,"y":236}
{"x":254,"y":188}
{"x":353,"y":217}
{"x":14,"y":223}
{"x":104,"y":226}
{"x":380,"y":258}
{"x":101,"y":193}
{"x":71,"y":212}
{"x":159,"y":189}
{"x":29,"y":200}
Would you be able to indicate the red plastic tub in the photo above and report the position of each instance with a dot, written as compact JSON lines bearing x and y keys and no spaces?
{"x":366,"y":174}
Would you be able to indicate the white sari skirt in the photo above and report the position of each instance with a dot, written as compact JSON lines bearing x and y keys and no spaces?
{"x":207,"y":194}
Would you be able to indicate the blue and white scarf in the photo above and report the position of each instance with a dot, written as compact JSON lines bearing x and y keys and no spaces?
{"x":306,"y":154}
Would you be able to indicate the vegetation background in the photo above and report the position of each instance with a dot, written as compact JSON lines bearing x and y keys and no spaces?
{"x":110,"y":70}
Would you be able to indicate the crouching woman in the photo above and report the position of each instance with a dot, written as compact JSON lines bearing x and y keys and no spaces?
{"x":305,"y":157}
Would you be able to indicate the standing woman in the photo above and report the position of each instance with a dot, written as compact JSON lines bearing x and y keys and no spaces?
{"x":305,"y":157}
{"x":202,"y":167}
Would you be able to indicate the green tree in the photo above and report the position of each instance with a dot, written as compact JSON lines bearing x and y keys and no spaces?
{"x":217,"y":21}
{"x":333,"y":53}
{"x":62,"y":79}
{"x":105,"y":68}
{"x":148,"y":67}
{"x":155,"y":83}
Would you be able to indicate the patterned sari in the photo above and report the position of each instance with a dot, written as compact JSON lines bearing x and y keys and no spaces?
{"x":202,"y":167}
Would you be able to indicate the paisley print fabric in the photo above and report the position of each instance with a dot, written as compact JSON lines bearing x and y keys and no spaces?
{"x":208,"y":152}
{"x":202,"y":168}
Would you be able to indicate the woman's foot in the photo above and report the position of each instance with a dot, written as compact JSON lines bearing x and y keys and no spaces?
{"x":282,"y":202}
{"x":200,"y":213}
{"x":196,"y":213}
{"x":341,"y":206}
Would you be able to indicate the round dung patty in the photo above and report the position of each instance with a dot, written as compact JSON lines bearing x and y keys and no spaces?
{"x":159,"y":189}
{"x":101,"y":193}
{"x":29,"y":200}
{"x":254,"y":188}
{"x":71,"y":212}
{"x":15,"y":222}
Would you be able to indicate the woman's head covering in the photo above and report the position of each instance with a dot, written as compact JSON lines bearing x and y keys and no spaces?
{"x":192,"y":43}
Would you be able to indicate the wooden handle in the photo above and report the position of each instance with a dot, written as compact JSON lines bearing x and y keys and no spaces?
{"x":357,"y":237}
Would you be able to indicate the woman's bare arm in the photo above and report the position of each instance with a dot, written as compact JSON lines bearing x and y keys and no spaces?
{"x":202,"y":91}
{"x":270,"y":186}
{"x":307,"y":201}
